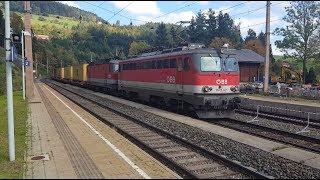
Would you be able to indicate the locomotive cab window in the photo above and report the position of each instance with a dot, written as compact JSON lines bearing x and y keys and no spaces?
{"x":209,"y":63}
{"x":231,"y":64}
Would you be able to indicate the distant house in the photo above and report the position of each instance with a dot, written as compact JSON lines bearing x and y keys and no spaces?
{"x":250,"y":64}
{"x":42,"y":37}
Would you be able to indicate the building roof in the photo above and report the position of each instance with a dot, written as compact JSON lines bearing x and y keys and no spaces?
{"x":247,"y":55}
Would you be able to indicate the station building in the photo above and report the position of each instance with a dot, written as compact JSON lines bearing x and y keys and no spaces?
{"x":250,"y":64}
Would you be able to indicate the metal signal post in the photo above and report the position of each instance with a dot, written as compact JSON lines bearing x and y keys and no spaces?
{"x":9,"y":83}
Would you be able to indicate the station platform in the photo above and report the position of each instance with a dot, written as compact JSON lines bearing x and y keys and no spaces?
{"x":312,"y":103}
{"x":295,"y":154}
{"x":288,"y":107}
{"x":65,"y":141}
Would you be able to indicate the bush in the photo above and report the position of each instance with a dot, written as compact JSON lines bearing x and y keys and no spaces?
{"x":41,"y":18}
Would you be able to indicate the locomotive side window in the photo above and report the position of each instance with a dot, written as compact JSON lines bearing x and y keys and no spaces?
{"x":185,"y":64}
{"x":159,"y":64}
{"x":173,"y":63}
{"x":165,"y":63}
{"x":115,"y":67}
{"x":153,"y":65}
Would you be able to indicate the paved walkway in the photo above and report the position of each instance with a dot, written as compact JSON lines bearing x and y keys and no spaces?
{"x":77,"y":145}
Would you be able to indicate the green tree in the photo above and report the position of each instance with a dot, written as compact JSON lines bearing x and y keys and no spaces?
{"x":218,"y":42}
{"x":192,"y":30}
{"x":201,"y":28}
{"x":304,"y":19}
{"x":212,"y":25}
{"x":161,"y":35}
{"x":251,"y":35}
{"x":137,"y":47}
{"x":173,"y":37}
{"x":262,"y":38}
{"x":256,"y":46}
{"x":225,"y":25}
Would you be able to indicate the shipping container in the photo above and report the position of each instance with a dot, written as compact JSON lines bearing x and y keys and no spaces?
{"x":80,"y":73}
{"x":59,"y":73}
{"x":68,"y":73}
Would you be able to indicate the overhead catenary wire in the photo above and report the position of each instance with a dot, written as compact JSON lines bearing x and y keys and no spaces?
{"x":261,"y":23}
{"x":246,"y":12}
{"x":175,"y":10}
{"x":98,"y":6}
{"x":120,"y":10}
{"x":255,"y":10}
{"x":114,"y":12}
{"x":234,"y":6}
{"x":109,"y":11}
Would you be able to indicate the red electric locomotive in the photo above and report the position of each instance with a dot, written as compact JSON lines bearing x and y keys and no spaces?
{"x":203,"y":80}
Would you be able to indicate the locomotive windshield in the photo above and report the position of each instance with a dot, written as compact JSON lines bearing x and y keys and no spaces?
{"x":210,"y":63}
{"x":231,"y":64}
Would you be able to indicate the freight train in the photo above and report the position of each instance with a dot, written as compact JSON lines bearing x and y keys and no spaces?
{"x":190,"y":78}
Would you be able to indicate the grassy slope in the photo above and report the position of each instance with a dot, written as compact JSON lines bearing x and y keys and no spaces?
{"x":51,"y":23}
{"x":13,"y":169}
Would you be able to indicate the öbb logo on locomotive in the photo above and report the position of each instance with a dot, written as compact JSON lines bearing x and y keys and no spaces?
{"x":222,"y":81}
{"x":171,"y":79}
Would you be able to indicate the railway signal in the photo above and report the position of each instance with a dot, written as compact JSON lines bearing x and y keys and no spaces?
{"x":16,"y":38}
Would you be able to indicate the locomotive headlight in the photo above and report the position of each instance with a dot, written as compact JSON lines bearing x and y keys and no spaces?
{"x":234,"y":88}
{"x":206,"y":89}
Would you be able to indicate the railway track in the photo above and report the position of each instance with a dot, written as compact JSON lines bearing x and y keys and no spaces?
{"x":297,"y":140}
{"x":187,"y":159}
{"x":281,"y":118}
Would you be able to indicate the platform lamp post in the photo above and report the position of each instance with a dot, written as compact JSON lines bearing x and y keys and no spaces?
{"x":24,"y":62}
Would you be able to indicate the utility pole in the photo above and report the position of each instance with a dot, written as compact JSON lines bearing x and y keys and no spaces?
{"x":22,"y":66}
{"x":9,"y":84}
{"x":28,"y":50}
{"x":266,"y":66}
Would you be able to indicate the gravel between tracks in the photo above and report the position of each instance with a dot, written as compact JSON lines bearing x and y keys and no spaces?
{"x":284,"y":126}
{"x":263,"y":161}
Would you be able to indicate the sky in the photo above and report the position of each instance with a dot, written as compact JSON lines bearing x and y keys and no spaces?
{"x":250,"y":14}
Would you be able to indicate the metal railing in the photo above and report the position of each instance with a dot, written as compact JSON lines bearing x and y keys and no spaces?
{"x":305,"y":129}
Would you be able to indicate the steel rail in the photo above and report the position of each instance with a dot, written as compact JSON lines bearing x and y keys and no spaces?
{"x":312,"y":144}
{"x":282,"y":118}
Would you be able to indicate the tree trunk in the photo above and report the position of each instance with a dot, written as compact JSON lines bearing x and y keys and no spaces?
{"x":304,"y":69}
